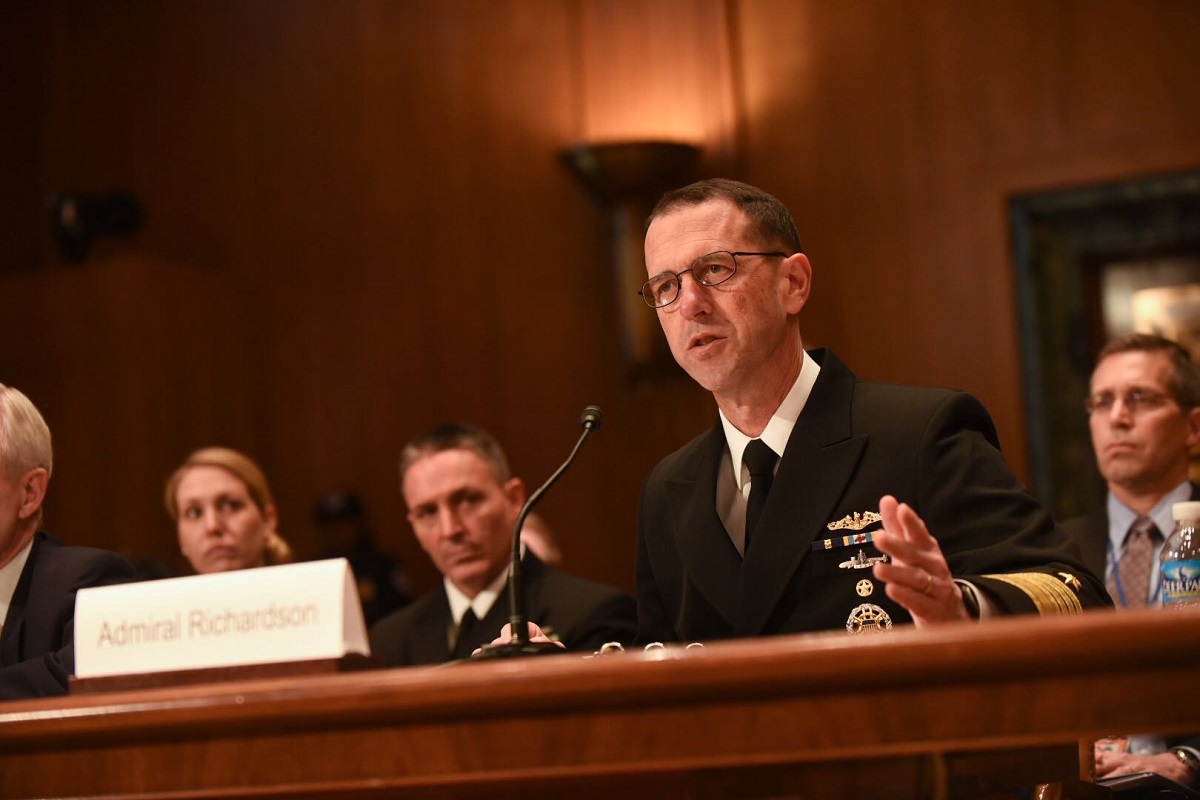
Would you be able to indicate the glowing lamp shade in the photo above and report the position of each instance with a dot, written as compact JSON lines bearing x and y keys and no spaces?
{"x":627,"y":178}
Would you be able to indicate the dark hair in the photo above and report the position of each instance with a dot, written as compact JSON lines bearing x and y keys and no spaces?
{"x":769,"y":217}
{"x":1184,"y":382}
{"x":456,"y":436}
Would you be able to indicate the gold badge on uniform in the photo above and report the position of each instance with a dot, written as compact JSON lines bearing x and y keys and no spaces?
{"x":862,"y":561}
{"x":868,"y":618}
{"x":852,"y":522}
{"x":855,"y":521}
{"x":864,"y":588}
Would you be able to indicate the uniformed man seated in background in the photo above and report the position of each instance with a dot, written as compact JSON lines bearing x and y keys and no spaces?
{"x":463,"y":503}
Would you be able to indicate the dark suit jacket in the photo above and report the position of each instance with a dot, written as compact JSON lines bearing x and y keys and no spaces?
{"x":1090,"y":533}
{"x":581,"y":614}
{"x":37,"y":647}
{"x":935,"y":449}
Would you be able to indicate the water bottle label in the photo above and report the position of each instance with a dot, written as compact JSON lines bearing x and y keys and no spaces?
{"x":1181,"y":582}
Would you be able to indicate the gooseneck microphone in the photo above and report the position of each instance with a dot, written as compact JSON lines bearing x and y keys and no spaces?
{"x":520,"y":645}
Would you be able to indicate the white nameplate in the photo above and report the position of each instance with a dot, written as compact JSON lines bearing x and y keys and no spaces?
{"x":293,"y":612}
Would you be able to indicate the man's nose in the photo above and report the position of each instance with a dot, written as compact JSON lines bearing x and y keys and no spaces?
{"x":449,"y":522}
{"x":693,"y":296}
{"x":1120,"y":414}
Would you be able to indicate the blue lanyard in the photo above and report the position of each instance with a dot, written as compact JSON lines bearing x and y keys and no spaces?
{"x":1116,"y":575}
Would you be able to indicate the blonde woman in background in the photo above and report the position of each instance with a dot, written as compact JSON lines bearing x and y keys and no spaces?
{"x":224,"y":512}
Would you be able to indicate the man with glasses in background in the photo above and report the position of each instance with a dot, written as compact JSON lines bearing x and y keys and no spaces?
{"x":817,"y":500}
{"x":1144,"y":414}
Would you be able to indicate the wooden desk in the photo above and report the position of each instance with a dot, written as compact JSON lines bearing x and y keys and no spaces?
{"x":960,"y":711}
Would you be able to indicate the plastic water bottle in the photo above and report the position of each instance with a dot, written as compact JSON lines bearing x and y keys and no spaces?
{"x":1179,"y":560}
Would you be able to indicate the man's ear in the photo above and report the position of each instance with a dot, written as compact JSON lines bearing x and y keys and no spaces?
{"x":33,"y":486}
{"x":798,"y":274}
{"x":1193,"y":428}
{"x":514,"y":489}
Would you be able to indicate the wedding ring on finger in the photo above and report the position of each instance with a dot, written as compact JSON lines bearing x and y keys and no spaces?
{"x":928,"y":590}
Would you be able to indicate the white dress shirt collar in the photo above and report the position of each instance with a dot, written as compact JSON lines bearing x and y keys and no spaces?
{"x":1121,"y":516}
{"x":10,"y":576}
{"x":779,"y":428}
{"x":481,"y":604}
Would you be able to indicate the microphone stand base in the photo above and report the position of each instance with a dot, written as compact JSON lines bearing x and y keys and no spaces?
{"x":516,"y":650}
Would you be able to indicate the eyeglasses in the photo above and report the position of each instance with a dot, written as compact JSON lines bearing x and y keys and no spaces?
{"x":710,"y":270}
{"x":1134,"y":401}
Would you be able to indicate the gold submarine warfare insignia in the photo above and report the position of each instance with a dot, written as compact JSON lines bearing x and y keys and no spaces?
{"x":862,"y":561}
{"x":868,"y":618}
{"x":855,"y":521}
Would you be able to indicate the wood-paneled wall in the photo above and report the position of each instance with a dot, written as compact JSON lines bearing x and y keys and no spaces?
{"x":897,"y":130}
{"x":357,"y":225}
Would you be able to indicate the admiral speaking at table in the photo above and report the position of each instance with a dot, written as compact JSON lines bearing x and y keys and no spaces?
{"x":743,"y":531}
{"x":740,"y":532}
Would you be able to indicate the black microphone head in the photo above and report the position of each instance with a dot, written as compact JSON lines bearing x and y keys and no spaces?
{"x":592,"y":417}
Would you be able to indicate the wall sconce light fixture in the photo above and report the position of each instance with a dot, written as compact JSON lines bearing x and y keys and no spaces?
{"x":76,"y":220}
{"x":627,"y":178}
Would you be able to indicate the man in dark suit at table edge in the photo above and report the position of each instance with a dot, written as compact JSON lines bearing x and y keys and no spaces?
{"x":39,"y":575}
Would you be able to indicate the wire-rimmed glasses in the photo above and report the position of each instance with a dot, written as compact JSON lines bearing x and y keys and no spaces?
{"x":712,"y":269}
{"x":1134,"y":401}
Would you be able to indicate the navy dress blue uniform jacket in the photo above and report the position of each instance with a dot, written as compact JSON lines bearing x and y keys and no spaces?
{"x":582,"y":614}
{"x":855,"y":441}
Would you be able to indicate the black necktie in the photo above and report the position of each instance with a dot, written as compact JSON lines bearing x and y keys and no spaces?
{"x":760,"y":460}
{"x":462,"y":640}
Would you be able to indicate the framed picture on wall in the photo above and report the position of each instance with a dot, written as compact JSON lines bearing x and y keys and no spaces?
{"x":1153,"y":295}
